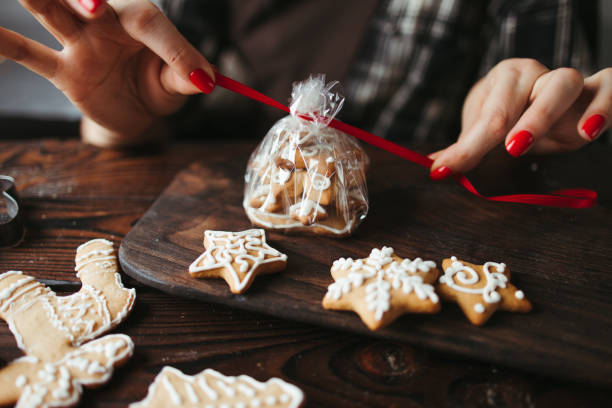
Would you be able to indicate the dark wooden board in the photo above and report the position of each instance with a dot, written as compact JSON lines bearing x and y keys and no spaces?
{"x":559,"y":257}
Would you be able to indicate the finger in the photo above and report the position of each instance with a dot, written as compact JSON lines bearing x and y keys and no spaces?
{"x":32,"y":55}
{"x":596,"y":118}
{"x":553,"y":94}
{"x":55,"y":17}
{"x":87,"y":9}
{"x":507,"y":98}
{"x":187,"y":71}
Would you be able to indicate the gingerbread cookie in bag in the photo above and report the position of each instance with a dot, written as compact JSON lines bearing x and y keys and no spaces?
{"x":304,"y":175}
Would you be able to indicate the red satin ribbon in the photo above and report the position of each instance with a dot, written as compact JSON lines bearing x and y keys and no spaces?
{"x":570,"y":198}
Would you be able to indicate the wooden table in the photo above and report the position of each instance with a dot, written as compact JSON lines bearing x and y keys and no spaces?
{"x":72,"y":193}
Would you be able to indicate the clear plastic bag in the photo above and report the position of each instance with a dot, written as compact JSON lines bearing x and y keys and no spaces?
{"x":305,"y":176}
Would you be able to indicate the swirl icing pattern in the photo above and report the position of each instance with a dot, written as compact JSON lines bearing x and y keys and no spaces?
{"x":237,"y":257}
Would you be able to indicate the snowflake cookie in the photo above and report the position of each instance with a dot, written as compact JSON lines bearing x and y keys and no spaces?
{"x":237,"y":257}
{"x":55,"y":331}
{"x":480,"y":289}
{"x":211,"y":389}
{"x":382,"y":287}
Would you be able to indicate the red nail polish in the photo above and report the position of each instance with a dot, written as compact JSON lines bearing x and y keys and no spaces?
{"x":90,"y":5}
{"x":593,"y":125}
{"x":440,"y":173}
{"x":201,"y":79}
{"x":519,"y":143}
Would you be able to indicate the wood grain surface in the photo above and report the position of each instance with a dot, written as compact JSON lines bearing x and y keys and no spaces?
{"x":559,"y":265}
{"x":72,"y":193}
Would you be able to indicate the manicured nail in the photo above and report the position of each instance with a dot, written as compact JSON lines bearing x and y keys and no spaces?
{"x":202,"y":81}
{"x":593,"y":126}
{"x":440,"y":173}
{"x":519,"y":143}
{"x":90,"y":5}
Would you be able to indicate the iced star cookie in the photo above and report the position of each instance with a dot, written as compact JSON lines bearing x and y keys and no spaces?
{"x":382,"y":287}
{"x":211,"y":389}
{"x":237,"y":257}
{"x":55,"y":331}
{"x":480,"y":289}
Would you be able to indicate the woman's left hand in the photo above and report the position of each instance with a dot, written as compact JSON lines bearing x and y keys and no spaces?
{"x":529,"y":108}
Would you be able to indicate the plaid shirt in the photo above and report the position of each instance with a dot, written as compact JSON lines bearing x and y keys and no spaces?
{"x":419,"y":58}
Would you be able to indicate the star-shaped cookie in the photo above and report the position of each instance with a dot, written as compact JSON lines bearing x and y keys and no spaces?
{"x":237,"y":257}
{"x":480,"y":289}
{"x":382,"y":287}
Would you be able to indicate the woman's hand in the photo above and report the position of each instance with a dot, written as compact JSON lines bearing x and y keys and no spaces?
{"x":123,"y":64}
{"x":529,"y":108}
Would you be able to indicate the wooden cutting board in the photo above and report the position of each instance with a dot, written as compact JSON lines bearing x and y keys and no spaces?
{"x":560,"y":258}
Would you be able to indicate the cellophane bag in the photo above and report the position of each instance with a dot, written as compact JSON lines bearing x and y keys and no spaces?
{"x":306,"y":176}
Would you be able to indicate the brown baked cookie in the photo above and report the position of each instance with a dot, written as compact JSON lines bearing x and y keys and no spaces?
{"x":237,"y":257}
{"x":382,"y":287}
{"x":56,"y":332}
{"x":307,"y":212}
{"x":210,"y":388}
{"x":320,"y":181}
{"x":480,"y":289}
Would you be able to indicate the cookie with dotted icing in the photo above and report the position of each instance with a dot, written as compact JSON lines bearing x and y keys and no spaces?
{"x":382,"y":287}
{"x":237,"y":257}
{"x":211,"y":389}
{"x":480,"y":290}
{"x":57,"y":333}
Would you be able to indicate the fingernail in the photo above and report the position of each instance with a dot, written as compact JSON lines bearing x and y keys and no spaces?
{"x":201,"y":79}
{"x":90,"y":5}
{"x":593,"y":126}
{"x":440,"y":173}
{"x":519,"y":143}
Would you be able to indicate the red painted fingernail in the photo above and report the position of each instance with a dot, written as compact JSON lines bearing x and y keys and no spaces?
{"x":202,"y":81}
{"x":90,"y":5}
{"x":440,"y":173}
{"x":593,"y":126}
{"x":519,"y":143}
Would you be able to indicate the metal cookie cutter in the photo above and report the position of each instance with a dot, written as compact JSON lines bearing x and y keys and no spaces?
{"x":11,"y":223}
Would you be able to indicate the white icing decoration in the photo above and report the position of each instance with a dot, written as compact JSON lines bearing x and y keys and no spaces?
{"x":519,"y":294}
{"x":378,"y":290}
{"x":8,"y":292}
{"x":193,"y":397}
{"x":457,"y":271}
{"x":226,"y":248}
{"x":226,"y":389}
{"x":20,"y":381}
{"x":307,"y":208}
{"x":479,"y":308}
{"x":174,"y":396}
{"x":281,"y":176}
{"x":248,"y":391}
{"x":210,"y":393}
{"x":236,"y":389}
{"x":319,"y":182}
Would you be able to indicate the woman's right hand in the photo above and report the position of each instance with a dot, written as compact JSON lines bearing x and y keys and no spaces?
{"x":123,"y":64}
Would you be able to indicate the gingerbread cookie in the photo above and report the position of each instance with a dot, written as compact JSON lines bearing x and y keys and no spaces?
{"x":306,"y":176}
{"x":480,"y":289}
{"x":382,"y":287}
{"x":54,"y":331}
{"x":211,"y":389}
{"x":237,"y":257}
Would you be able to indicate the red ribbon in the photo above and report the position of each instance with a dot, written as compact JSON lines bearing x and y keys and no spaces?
{"x":570,"y":198}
